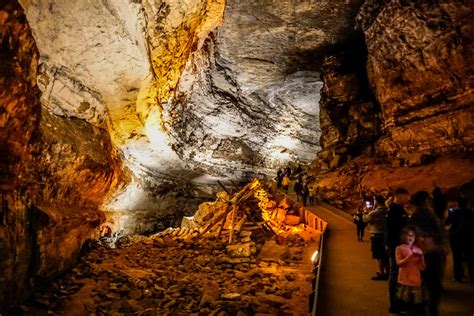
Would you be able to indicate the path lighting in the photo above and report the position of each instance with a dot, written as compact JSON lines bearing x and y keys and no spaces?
{"x":315,"y":256}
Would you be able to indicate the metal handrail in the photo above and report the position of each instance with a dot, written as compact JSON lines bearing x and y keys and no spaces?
{"x":318,"y":265}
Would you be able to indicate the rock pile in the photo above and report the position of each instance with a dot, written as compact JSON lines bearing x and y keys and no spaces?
{"x":240,"y":218}
{"x":196,"y":269}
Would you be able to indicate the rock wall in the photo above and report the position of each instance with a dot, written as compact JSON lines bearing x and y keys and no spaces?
{"x":419,"y":69}
{"x":55,"y":171}
{"x":190,"y":91}
{"x":251,"y":94}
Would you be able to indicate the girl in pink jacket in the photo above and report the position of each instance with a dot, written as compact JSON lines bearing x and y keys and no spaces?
{"x":410,"y":261}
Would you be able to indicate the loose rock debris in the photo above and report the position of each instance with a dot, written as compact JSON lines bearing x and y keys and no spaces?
{"x":236,"y":256}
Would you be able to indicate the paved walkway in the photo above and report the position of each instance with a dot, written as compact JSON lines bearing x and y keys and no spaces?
{"x":345,"y":285}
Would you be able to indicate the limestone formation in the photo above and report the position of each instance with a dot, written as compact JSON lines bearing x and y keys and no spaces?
{"x":55,"y":172}
{"x":419,"y":60}
{"x":128,"y":112}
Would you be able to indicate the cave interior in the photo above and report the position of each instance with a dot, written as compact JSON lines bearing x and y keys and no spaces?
{"x":130,"y":116}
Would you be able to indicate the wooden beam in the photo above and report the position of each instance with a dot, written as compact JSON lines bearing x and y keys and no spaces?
{"x":223,"y":187}
{"x":234,"y":210}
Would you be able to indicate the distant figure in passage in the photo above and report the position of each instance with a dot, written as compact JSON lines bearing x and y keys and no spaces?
{"x":461,"y":239}
{"x":279,"y":177}
{"x":285,"y":182}
{"x":305,"y":193}
{"x":410,"y":261}
{"x":360,"y":224}
{"x":298,"y":170}
{"x":396,"y":219}
{"x":312,"y":194}
{"x":377,"y":222}
{"x":105,"y":231}
{"x":298,"y":188}
{"x":288,"y":171}
{"x":431,"y":242}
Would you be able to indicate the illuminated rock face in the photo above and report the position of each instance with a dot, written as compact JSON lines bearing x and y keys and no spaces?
{"x":55,"y":172}
{"x":415,"y":128}
{"x":251,"y":94}
{"x":188,"y":93}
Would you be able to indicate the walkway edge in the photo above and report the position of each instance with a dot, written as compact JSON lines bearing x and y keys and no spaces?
{"x":337,"y":212}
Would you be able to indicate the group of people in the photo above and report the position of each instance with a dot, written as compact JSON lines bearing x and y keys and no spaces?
{"x":304,"y":192}
{"x":411,"y":250}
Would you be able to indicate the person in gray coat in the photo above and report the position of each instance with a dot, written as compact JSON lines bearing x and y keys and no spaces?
{"x":377,"y":226}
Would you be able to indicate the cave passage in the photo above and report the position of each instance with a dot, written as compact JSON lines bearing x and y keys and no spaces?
{"x":150,"y":152}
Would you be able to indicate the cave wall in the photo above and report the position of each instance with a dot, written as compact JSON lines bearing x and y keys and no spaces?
{"x":419,"y":64}
{"x":251,"y":94}
{"x":55,"y":171}
{"x":190,"y":91}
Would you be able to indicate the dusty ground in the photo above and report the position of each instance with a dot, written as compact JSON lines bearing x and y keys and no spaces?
{"x":177,"y":277}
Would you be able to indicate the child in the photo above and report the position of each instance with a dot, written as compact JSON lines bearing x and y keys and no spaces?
{"x":410,"y":261}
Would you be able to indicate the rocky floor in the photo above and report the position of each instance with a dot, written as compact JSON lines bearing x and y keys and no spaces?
{"x":162,"y":276}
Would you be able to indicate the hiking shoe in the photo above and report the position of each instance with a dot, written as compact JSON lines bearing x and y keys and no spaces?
{"x":378,"y":277}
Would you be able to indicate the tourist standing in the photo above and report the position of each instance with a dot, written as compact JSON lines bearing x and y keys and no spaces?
{"x":288,"y":171}
{"x":377,"y":223}
{"x":440,"y":204}
{"x":461,"y":239}
{"x":285,"y":182}
{"x":431,"y":243}
{"x":312,"y":194}
{"x":279,"y":177}
{"x":360,"y":224}
{"x":410,"y":262}
{"x":298,"y":170}
{"x":396,"y":220}
{"x":305,"y":193}
{"x":298,"y":188}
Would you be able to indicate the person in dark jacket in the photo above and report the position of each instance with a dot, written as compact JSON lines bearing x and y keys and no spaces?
{"x":461,"y":239}
{"x":288,"y":171}
{"x":279,"y":177}
{"x":440,"y":204}
{"x":360,"y":224}
{"x":298,"y":188}
{"x":304,"y":193}
{"x":431,"y":243}
{"x":396,"y":220}
{"x":298,"y":170}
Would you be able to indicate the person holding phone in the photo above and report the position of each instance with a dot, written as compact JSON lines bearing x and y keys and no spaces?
{"x":377,"y":224}
{"x":461,"y":239}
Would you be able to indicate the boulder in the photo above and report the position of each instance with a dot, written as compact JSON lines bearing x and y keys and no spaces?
{"x":292,"y":220}
{"x":241,"y":250}
{"x":280,"y":215}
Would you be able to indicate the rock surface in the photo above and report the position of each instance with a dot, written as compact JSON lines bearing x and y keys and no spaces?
{"x":251,"y":94}
{"x":417,"y":125}
{"x":188,"y":90}
{"x":55,"y":172}
{"x":182,"y":93}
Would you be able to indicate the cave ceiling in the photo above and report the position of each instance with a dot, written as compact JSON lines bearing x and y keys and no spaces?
{"x":191,"y":89}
